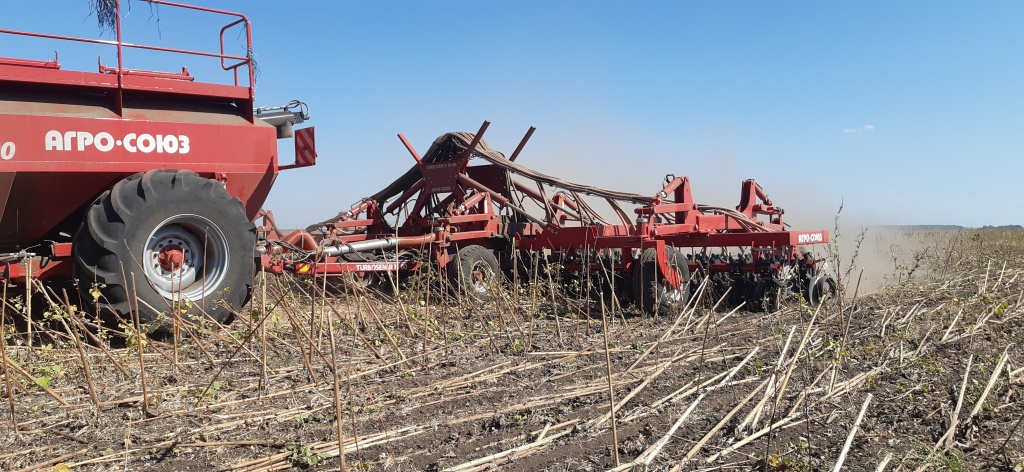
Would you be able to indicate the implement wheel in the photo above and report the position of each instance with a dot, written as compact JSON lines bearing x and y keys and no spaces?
{"x":821,"y":288}
{"x":166,"y":236}
{"x":357,"y":282}
{"x":653,"y":293}
{"x":474,"y":272}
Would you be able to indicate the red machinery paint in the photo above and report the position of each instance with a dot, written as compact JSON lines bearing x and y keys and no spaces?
{"x":125,"y":179}
{"x":444,"y":206}
{"x":67,"y":137}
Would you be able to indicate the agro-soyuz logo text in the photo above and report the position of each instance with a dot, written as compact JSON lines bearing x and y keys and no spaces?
{"x":104,"y":142}
{"x":810,"y":238}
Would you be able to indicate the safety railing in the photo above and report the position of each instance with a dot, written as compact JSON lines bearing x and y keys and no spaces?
{"x":228,"y":62}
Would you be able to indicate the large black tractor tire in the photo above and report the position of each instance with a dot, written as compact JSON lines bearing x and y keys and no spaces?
{"x":652,"y":293}
{"x":474,"y":272}
{"x":169,"y":238}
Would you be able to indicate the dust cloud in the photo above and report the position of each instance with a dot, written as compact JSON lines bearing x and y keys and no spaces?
{"x":861,"y":251}
{"x":624,"y":156}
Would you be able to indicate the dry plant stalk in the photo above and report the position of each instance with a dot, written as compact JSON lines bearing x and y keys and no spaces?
{"x":28,"y":303}
{"x":3,"y":356}
{"x":457,"y":374}
{"x":853,"y":432}
{"x":35,"y":381}
{"x":786,"y":422}
{"x":264,"y":378}
{"x":611,"y":388}
{"x":472,"y":465}
{"x":796,"y":356}
{"x":947,"y":440}
{"x":991,"y":381}
{"x":141,"y":344}
{"x":338,"y":412}
{"x":85,"y":359}
{"x":648,"y":456}
{"x":721,"y":423}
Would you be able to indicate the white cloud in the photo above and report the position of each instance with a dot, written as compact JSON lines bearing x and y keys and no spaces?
{"x":862,"y":129}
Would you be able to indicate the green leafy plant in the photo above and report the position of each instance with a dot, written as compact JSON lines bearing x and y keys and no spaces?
{"x":515,"y":348}
{"x":214,"y":390}
{"x":45,"y":375}
{"x":303,"y":456}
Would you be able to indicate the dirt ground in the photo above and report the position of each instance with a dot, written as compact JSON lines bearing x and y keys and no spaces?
{"x":925,"y":374}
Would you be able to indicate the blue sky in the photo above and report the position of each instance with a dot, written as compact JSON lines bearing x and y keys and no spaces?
{"x":909,"y":112}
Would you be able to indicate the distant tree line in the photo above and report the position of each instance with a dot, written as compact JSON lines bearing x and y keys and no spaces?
{"x":944,"y":227}
{"x":1003,"y":227}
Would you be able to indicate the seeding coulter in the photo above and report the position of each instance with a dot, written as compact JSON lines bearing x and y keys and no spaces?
{"x":135,"y":192}
{"x":479,"y":217}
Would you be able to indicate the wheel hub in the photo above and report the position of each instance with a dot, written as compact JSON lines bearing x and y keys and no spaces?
{"x":171,"y":257}
{"x":186,"y":257}
{"x":481,"y":277}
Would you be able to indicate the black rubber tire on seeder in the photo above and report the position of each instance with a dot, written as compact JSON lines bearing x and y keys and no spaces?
{"x":354,"y":282}
{"x":647,"y":287}
{"x":108,"y":246}
{"x":460,"y":270}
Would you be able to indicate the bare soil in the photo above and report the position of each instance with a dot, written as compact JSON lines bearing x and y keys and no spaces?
{"x":526,"y":381}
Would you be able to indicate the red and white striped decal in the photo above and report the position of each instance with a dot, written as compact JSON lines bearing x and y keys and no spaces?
{"x":305,"y":147}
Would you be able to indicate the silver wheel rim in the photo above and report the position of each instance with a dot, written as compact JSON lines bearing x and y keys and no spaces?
{"x":186,"y":257}
{"x":361,"y":279}
{"x":819,"y":289}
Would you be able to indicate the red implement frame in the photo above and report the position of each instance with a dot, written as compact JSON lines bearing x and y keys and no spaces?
{"x":459,"y":204}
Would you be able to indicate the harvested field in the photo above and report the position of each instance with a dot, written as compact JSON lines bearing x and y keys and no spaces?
{"x":924,"y":374}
